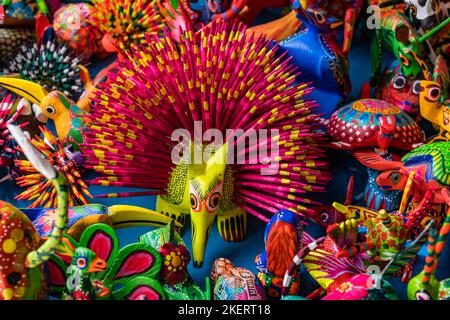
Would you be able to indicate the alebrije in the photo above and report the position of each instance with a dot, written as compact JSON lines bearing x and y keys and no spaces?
{"x":71,"y":24}
{"x":125,"y":22}
{"x":175,"y":257}
{"x":220,"y":78}
{"x":51,"y":64}
{"x":66,"y":161}
{"x":96,"y":268}
{"x":9,"y":150}
{"x":22,"y":251}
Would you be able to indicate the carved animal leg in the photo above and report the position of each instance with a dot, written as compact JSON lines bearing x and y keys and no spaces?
{"x":172,"y":211}
{"x":232,"y":224}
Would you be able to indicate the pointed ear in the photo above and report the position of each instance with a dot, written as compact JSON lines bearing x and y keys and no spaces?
{"x":140,"y":288}
{"x":217,"y":163}
{"x":101,"y":239}
{"x":84,"y":75}
{"x":137,"y":259}
{"x":402,"y":34}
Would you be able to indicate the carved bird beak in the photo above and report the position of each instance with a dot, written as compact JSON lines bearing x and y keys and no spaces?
{"x":24,"y":88}
{"x":97,"y":265}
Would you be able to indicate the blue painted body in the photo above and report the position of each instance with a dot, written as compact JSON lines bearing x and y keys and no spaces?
{"x":319,"y":57}
{"x":377,"y":198}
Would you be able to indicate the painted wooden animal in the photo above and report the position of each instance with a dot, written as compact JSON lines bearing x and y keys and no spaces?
{"x":235,"y":283}
{"x":22,"y":251}
{"x":95,"y":267}
{"x":323,"y":61}
{"x":425,"y":285}
{"x":369,"y":128}
{"x":217,"y":185}
{"x":69,"y":119}
{"x":424,"y":174}
{"x":283,"y":238}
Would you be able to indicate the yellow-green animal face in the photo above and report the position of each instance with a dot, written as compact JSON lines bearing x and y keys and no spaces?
{"x":429,"y":101}
{"x":205,"y":195}
{"x":52,"y":106}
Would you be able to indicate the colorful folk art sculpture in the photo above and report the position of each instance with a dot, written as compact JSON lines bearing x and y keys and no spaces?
{"x":21,"y":251}
{"x":399,"y":90}
{"x":434,"y":108}
{"x":320,"y":58}
{"x":425,"y":286}
{"x":425,"y":15}
{"x":69,"y":119}
{"x":398,"y":36}
{"x":372,"y":123}
{"x":235,"y":283}
{"x":327,"y":215}
{"x":22,"y":9}
{"x":124,"y":22}
{"x":253,"y":92}
{"x":360,"y":286}
{"x":282,"y":238}
{"x":85,"y":102}
{"x":71,"y":24}
{"x":66,"y":161}
{"x":8,"y":146}
{"x":424,"y":174}
{"x":403,"y":91}
{"x":349,"y":276}
{"x":49,"y":63}
{"x":322,"y":262}
{"x":81,"y":217}
{"x":175,"y":256}
{"x":95,"y":268}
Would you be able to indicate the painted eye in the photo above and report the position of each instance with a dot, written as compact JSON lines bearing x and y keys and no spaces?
{"x":395,"y":178}
{"x":320,"y":18}
{"x":416,"y":88}
{"x":214,"y":197}
{"x":194,"y":201}
{"x":399,"y":82}
{"x":50,"y":110}
{"x":213,"y":201}
{"x":324,"y":216}
{"x":81,"y":263}
{"x":422,"y":295}
{"x":434,"y":93}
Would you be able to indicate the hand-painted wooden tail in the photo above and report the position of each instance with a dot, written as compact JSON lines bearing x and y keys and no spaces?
{"x":296,"y":262}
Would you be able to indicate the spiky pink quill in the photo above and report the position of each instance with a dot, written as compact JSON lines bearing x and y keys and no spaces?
{"x":227,"y":79}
